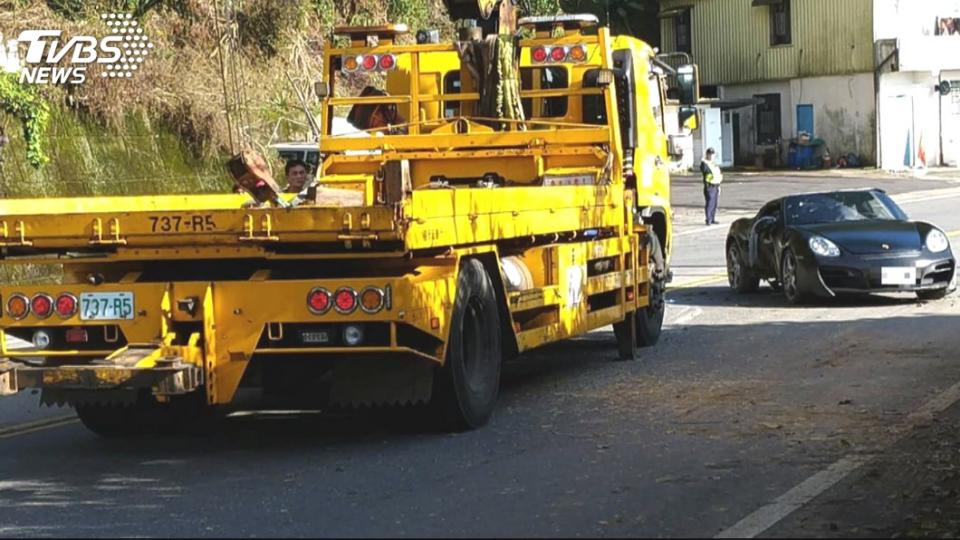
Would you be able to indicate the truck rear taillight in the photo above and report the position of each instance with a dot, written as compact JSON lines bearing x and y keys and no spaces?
{"x":66,"y":305}
{"x":558,"y":54}
{"x":577,"y":53}
{"x":539,"y":54}
{"x":543,"y":55}
{"x":345,"y":300}
{"x":388,"y":62}
{"x":42,"y":305}
{"x":369,"y":62}
{"x":18,"y":306}
{"x":371,"y":300}
{"x":318,"y":301}
{"x":76,"y":335}
{"x":351,"y":63}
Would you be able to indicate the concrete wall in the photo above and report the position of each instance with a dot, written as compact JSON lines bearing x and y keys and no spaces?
{"x":912,"y":112}
{"x":844,"y":113}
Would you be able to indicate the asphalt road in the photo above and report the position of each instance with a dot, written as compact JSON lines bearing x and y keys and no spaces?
{"x":745,"y":400}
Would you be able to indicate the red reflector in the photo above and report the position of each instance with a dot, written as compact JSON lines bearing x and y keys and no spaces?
{"x":539,"y":55}
{"x":369,"y":62}
{"x":558,"y":54}
{"x":318,"y":301}
{"x":345,"y":300}
{"x":76,"y":335}
{"x":41,"y":305}
{"x":387,"y":62}
{"x":66,"y":305}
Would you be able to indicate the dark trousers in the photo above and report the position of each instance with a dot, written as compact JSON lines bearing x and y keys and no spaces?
{"x":711,"y":196}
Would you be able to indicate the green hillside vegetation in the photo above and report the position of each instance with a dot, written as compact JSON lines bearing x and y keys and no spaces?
{"x":164,"y":130}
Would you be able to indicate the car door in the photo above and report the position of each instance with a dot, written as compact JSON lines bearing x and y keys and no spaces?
{"x":767,"y":229}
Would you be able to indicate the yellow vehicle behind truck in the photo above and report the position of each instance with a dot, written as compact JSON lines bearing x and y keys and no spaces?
{"x":461,"y":242}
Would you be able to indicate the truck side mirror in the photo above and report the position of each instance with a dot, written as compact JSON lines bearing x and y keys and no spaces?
{"x":688,"y":118}
{"x":688,"y":78}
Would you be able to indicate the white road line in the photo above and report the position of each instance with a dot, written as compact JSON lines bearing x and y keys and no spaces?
{"x":770,"y":514}
{"x":39,"y":425}
{"x":687,"y":315}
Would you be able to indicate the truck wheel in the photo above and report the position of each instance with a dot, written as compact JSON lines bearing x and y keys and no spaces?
{"x":108,"y":420}
{"x":650,"y":318}
{"x":466,"y":387}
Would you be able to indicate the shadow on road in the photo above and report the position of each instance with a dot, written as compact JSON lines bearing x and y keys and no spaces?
{"x":767,"y":297}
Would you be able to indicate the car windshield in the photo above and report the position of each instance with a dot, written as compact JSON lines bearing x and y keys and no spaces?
{"x":841,"y":207}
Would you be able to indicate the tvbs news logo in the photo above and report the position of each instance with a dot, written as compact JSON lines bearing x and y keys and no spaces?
{"x":53,"y":58}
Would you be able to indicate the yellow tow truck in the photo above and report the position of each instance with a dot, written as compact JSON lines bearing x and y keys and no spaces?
{"x":454,"y":242}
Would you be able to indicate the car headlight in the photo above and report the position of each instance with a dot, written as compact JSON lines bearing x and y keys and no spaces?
{"x":937,"y":241}
{"x":823,"y":247}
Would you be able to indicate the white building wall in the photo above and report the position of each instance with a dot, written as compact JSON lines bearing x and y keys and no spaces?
{"x":843,"y":108}
{"x":911,"y":110}
{"x":843,"y":112}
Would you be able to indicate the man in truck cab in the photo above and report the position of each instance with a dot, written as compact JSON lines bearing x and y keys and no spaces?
{"x":297,"y":173}
{"x":377,"y":116}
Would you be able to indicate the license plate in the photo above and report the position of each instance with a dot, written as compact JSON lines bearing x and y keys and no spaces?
{"x":898,"y":275}
{"x":315,"y":337}
{"x":110,"y":306}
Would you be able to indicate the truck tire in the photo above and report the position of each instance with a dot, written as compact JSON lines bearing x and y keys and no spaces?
{"x":466,"y":387}
{"x":650,"y":319}
{"x":114,"y":420}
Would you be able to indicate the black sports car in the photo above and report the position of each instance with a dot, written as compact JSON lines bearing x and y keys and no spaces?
{"x":825,"y":244}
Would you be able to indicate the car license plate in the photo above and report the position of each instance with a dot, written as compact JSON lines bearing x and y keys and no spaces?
{"x":898,"y":275}
{"x":110,"y":306}
{"x":315,"y":337}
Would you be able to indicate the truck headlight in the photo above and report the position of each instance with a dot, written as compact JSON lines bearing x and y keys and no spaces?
{"x":823,"y":247}
{"x":937,"y":241}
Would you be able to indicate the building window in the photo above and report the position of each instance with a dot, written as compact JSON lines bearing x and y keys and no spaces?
{"x":683,"y":31}
{"x":768,"y":118}
{"x":780,"y":23}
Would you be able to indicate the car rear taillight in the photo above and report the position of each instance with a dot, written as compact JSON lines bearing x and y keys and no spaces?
{"x":18,"y":306}
{"x":66,"y":305}
{"x":371,"y":300}
{"x":388,"y":62}
{"x":41,"y":305}
{"x":318,"y":301}
{"x":345,"y":300}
